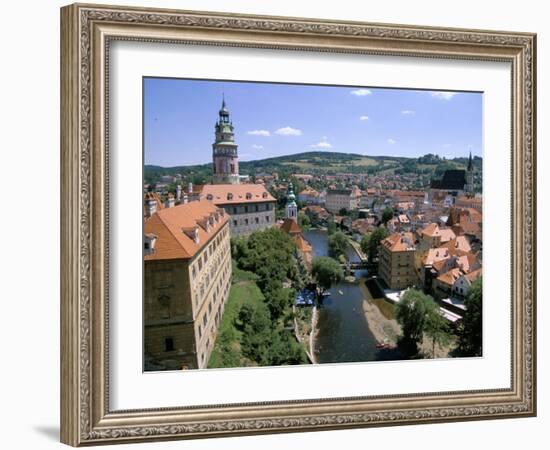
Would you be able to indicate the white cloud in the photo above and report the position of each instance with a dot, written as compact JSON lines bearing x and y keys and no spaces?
{"x":365,"y":118}
{"x":443,"y":95}
{"x":361,"y":92}
{"x":259,"y":133}
{"x":391,"y":141}
{"x":257,"y":147}
{"x":322,"y":144}
{"x":289,"y":131}
{"x":408,"y":112}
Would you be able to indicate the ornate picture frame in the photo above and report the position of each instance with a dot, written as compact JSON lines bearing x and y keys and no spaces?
{"x":86,"y":34}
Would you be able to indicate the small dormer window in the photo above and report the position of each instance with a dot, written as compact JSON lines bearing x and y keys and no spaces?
{"x":192,"y":233}
{"x":264,"y":195}
{"x":149,"y":243}
{"x":229,"y":196}
{"x":248,"y":195}
{"x":210,"y":197}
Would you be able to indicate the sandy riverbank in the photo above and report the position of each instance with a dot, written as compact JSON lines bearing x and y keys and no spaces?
{"x":384,"y":330}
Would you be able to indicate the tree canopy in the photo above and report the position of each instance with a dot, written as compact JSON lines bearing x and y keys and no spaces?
{"x":326,"y":272}
{"x":337,"y":244}
{"x":387,"y":214}
{"x":269,"y":254}
{"x":371,"y":242}
{"x":470,"y":332}
{"x":414,"y":312}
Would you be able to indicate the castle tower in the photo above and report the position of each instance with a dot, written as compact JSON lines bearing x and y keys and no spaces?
{"x":469,"y":187}
{"x":225,"y":158}
{"x":291,"y":209}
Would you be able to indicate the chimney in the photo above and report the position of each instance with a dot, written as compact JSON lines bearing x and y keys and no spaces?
{"x":185,"y":199}
{"x":178,"y":192}
{"x":170,"y":201}
{"x":190,"y":188}
{"x":150,"y":205}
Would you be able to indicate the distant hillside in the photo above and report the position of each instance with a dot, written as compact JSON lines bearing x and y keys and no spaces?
{"x":321,"y":162}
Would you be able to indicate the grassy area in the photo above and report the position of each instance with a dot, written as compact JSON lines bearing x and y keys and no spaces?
{"x":240,"y":275}
{"x":227,"y":351}
{"x":316,"y":163}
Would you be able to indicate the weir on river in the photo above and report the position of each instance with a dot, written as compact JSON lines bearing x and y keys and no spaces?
{"x":344,"y":334}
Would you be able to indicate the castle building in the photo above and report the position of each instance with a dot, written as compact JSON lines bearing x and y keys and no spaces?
{"x":224,"y":150}
{"x":187,"y":277}
{"x":250,"y":206}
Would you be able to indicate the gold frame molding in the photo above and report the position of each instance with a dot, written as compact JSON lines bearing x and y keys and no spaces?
{"x":86,"y":31}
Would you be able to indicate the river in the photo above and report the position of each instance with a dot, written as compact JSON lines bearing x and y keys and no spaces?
{"x":344,"y":335}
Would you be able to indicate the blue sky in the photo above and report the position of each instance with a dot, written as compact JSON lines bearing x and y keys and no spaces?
{"x":278,"y":119}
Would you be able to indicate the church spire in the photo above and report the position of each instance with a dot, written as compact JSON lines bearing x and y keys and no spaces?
{"x":470,"y":162}
{"x":291,"y":208}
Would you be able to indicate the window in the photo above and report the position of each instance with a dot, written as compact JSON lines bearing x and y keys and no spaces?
{"x":246,"y":221}
{"x":257,"y":220}
{"x":234,"y":223}
{"x":257,"y":208}
{"x":235,"y":210}
{"x":267,"y":218}
{"x":169,"y":344}
{"x":246,"y":209}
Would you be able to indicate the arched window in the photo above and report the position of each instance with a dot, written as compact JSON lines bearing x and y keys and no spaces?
{"x":229,"y":196}
{"x":248,"y":195}
{"x":264,"y":195}
{"x":209,"y":197}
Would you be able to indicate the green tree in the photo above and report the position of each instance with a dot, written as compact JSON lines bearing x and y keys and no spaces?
{"x":337,"y":244}
{"x":331,"y":226}
{"x":413,"y":312}
{"x":387,"y":214}
{"x":437,"y":328}
{"x":255,"y":324}
{"x":343,"y":212}
{"x":470,"y":331}
{"x":304,"y":221}
{"x":326,"y":272}
{"x":278,"y":299}
{"x":370,"y":242}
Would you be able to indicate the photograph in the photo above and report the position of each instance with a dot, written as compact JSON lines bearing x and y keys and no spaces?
{"x":300,"y":224}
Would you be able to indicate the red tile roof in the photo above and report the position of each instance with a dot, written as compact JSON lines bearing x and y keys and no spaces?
{"x":174,"y":227}
{"x":229,"y":194}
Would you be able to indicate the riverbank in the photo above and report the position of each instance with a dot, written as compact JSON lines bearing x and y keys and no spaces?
{"x":306,"y":331}
{"x":386,"y":329}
